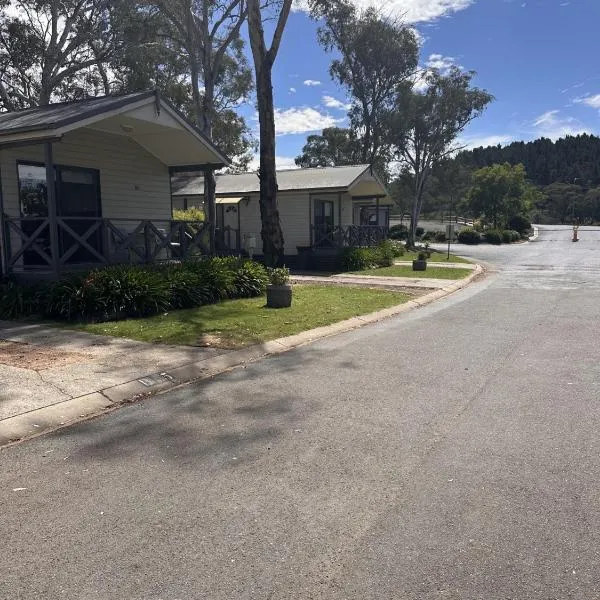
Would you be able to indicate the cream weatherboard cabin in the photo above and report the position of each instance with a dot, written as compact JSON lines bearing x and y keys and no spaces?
{"x":88,"y":183}
{"x":321,"y":209}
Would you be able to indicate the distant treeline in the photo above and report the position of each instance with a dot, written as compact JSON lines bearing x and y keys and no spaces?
{"x":574,"y":159}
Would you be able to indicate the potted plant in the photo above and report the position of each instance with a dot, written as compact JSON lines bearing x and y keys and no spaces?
{"x":279,"y":290}
{"x":421,"y":263}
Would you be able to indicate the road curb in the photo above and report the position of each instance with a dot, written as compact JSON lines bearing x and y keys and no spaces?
{"x":62,"y":414}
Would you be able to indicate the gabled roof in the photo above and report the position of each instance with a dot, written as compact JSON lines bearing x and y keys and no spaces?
{"x":320,"y":178}
{"x":119,"y":113}
{"x":54,"y":116}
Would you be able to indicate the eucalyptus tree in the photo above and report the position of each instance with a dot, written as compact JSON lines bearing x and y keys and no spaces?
{"x":264,"y":58}
{"x":425,"y":125}
{"x":378,"y":57}
{"x":55,"y":50}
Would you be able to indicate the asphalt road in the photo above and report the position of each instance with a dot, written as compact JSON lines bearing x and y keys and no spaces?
{"x":453,"y":452}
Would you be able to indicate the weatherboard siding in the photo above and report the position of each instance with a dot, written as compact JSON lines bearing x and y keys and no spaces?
{"x":133,"y":183}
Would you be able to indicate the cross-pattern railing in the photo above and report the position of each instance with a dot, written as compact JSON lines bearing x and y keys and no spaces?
{"x":350,"y":236}
{"x":97,"y":241}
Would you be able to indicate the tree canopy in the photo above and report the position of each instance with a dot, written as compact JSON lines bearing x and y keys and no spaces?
{"x":500,"y":192}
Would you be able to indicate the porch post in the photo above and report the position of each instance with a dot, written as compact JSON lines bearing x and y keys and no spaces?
{"x":377,"y":209}
{"x":52,"y":207}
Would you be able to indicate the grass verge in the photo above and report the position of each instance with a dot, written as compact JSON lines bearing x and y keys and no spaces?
{"x":239,"y":323}
{"x":440,"y":257}
{"x":407,"y":271}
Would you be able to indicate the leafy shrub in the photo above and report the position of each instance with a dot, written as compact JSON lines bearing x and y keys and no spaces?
{"x":468,"y":235}
{"x":398,"y":232}
{"x":422,"y":256}
{"x":187,"y":288}
{"x":250,"y":279}
{"x":395,"y":246}
{"x":440,"y":237}
{"x":111,"y":293}
{"x":16,"y":301}
{"x":358,"y":259}
{"x":519,"y":223}
{"x":191,"y":214}
{"x":385,"y":253}
{"x":506,"y":236}
{"x":419,"y":231}
{"x":493,"y":236}
{"x":279,"y":276}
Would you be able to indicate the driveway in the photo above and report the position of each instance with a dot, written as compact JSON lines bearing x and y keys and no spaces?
{"x":452,"y":452}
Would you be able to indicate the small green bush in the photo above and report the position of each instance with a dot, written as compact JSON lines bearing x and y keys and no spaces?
{"x":506,"y":236}
{"x":468,"y":235}
{"x":279,"y":276}
{"x":398,"y":232}
{"x":440,"y":237}
{"x":251,"y":279}
{"x":419,"y":231}
{"x":358,"y":259}
{"x":385,"y":253}
{"x":493,"y":236}
{"x":519,"y":223}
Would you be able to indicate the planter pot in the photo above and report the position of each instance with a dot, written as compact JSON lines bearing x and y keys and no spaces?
{"x":279,"y":296}
{"x":419,"y":265}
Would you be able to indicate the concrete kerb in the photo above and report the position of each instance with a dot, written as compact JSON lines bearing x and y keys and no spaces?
{"x":60,"y":415}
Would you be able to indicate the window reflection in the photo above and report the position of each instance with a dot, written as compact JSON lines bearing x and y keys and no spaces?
{"x":33,"y":191}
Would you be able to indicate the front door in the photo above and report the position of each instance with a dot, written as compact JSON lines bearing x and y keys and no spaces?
{"x":323,"y":223}
{"x":78,"y":203}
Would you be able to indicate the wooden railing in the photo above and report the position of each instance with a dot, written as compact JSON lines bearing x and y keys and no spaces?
{"x":96,"y":241}
{"x":458,"y":220}
{"x":350,"y":236}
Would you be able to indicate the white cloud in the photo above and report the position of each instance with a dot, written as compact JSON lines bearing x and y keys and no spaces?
{"x":311,"y":82}
{"x":331,"y":102}
{"x":292,"y":90}
{"x":411,"y":11}
{"x":591,"y":101}
{"x":553,"y":125}
{"x":302,"y":120}
{"x":484,"y":141}
{"x":281,"y":162}
{"x":441,"y":63}
{"x":435,"y":61}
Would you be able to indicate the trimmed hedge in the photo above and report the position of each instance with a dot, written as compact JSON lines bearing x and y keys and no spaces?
{"x":120,"y":292}
{"x":468,"y":235}
{"x":493,"y":236}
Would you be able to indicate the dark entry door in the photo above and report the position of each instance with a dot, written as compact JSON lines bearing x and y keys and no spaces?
{"x":78,"y":201}
{"x":323,"y":222}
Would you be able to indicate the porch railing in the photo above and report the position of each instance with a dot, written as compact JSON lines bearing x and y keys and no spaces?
{"x":97,"y":241}
{"x":350,"y":236}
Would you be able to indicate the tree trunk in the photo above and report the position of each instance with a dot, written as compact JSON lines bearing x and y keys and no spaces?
{"x":272,"y":236}
{"x":210,"y":186}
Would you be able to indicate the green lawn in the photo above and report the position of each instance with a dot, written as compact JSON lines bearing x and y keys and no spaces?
{"x":407,"y":271}
{"x":237,"y":323}
{"x":435,"y":257}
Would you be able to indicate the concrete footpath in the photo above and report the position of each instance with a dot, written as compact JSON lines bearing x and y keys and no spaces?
{"x":50,"y":378}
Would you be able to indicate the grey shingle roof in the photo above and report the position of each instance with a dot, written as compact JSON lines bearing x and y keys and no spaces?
{"x":54,"y":116}
{"x":291,"y":179}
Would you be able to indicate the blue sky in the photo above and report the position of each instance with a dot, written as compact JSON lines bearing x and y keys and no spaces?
{"x":539,"y":58}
